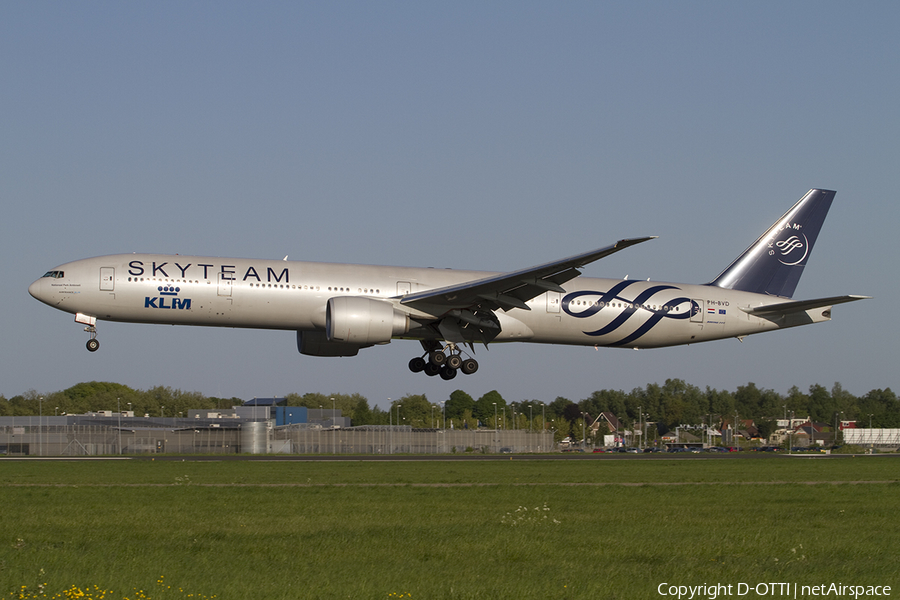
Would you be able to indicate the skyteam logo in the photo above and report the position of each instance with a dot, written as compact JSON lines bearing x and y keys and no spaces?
{"x":628,"y":308}
{"x":168,"y":299}
{"x":790,"y":247}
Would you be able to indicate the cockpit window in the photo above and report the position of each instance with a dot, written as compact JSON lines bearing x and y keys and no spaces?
{"x":55,"y":274}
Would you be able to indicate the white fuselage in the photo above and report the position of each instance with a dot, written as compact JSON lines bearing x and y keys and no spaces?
{"x":292,"y":295}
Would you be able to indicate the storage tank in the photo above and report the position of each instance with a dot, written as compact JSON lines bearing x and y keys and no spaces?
{"x":254,"y":437}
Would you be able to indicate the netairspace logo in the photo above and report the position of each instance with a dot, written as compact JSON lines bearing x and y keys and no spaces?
{"x":771,"y":590}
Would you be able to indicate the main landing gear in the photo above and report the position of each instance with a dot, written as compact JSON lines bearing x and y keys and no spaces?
{"x":439,"y":363}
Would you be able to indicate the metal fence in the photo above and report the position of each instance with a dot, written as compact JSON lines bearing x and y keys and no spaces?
{"x":260,"y":438}
{"x":97,"y":440}
{"x":883,"y":438}
{"x":404,"y":440}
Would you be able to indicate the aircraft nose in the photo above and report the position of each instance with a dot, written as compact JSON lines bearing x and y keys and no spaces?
{"x":39,"y":291}
{"x":35,"y":289}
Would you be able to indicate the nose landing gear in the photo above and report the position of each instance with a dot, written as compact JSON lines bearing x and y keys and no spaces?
{"x":445,"y":361}
{"x":92,"y":344}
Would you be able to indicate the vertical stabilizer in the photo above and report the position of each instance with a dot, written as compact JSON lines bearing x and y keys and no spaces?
{"x":774,"y":263}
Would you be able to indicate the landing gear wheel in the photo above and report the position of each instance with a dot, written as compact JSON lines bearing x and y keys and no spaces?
{"x":432,"y":369}
{"x":92,"y":345}
{"x":469,"y":366}
{"x":417,"y":365}
{"x":454,"y":361}
{"x":437,"y":357}
{"x":447,"y":373}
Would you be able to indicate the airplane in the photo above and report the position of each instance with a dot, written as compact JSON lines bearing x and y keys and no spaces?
{"x":338,"y":309}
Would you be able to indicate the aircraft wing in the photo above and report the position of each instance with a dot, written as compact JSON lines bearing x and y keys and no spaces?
{"x":511,"y":290}
{"x":785,"y":308}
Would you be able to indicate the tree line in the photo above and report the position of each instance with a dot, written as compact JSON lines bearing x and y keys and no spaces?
{"x":666,"y":406}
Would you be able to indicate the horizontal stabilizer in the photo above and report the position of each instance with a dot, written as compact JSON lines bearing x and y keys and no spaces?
{"x":785,"y":308}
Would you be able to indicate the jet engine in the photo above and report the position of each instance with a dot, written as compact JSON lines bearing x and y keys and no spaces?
{"x":363,"y":321}
{"x":313,"y":343}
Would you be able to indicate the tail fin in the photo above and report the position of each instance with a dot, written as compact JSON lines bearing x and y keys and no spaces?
{"x":774,"y":263}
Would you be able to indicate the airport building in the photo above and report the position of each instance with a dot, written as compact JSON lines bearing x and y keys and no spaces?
{"x":259,"y":426}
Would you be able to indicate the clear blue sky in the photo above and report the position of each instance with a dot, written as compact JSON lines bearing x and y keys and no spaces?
{"x":478,"y":135}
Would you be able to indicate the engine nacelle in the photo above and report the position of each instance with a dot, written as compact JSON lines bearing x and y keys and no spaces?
{"x":314,"y":343}
{"x":363,"y":321}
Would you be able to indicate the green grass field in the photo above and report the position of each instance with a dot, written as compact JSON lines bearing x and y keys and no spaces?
{"x":466,"y":529}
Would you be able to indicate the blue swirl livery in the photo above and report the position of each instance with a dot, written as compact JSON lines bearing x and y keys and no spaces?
{"x":640,"y":308}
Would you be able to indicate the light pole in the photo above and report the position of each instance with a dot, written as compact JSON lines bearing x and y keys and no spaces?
{"x":398,"y":414}
{"x":640,"y":410}
{"x":812,"y":433}
{"x":543,"y":424}
{"x":734,"y":439}
{"x":530,"y":420}
{"x":834,"y":435}
{"x":132,"y":416}
{"x":582,"y":430}
{"x":333,"y":411}
{"x":495,"y":427}
{"x":871,"y":437}
{"x":641,"y":427}
{"x":119,"y":411}
{"x":40,"y":428}
{"x":391,"y":424}
{"x":708,"y":428}
{"x":791,"y":434}
{"x":645,"y":442}
{"x":644,"y":436}
{"x":836,"y":431}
